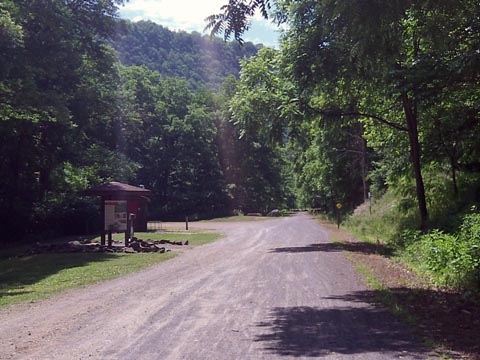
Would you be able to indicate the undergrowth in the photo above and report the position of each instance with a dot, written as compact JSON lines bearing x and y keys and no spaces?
{"x":449,"y":253}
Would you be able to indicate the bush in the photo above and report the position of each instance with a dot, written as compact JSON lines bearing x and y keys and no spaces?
{"x":453,"y":259}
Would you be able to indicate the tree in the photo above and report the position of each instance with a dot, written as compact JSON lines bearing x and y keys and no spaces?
{"x":170,"y":133}
{"x":261,"y":112}
{"x":49,"y":51}
{"x":404,"y":52}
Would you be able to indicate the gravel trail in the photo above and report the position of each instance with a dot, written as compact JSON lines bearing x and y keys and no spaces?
{"x":268,"y":290}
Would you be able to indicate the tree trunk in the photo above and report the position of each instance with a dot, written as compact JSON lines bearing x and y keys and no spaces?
{"x":412,"y":126}
{"x":454,"y":176}
{"x":363,"y":166}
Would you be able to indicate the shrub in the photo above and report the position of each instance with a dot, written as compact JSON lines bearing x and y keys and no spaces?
{"x":453,"y":259}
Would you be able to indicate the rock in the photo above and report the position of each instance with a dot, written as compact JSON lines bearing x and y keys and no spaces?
{"x":129,"y":250}
{"x":185,"y":242}
{"x":274,"y":213}
{"x":160,"y":249}
{"x":135,"y":245}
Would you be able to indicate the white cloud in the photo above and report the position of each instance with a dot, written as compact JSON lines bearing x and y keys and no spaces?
{"x":189,"y":15}
{"x":176,"y":14}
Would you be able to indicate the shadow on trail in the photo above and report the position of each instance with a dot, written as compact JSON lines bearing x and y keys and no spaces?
{"x":357,"y":247}
{"x":16,"y":273}
{"x":449,"y":318}
{"x":313,"y":332}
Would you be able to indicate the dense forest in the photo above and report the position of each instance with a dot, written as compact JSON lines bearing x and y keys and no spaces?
{"x":382,"y":99}
{"x":75,"y":112}
{"x":366,"y":102}
{"x":200,"y":60}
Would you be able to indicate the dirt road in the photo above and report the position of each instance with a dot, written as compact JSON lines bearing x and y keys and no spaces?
{"x":269,"y":290}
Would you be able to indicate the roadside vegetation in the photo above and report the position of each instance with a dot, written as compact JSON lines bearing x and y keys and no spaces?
{"x":379,"y":101}
{"x":448,"y":254}
{"x":35,"y":277}
{"x":28,"y":278}
{"x":363,"y":101}
{"x":239,"y":218}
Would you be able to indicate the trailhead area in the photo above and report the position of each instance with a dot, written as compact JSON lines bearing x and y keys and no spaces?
{"x":274,"y":289}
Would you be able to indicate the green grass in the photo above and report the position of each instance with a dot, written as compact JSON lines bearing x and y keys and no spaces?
{"x":31,"y":278}
{"x":239,"y":218}
{"x":384,"y":224}
{"x":387,"y":298}
{"x":383,"y":294}
{"x":194,"y":238}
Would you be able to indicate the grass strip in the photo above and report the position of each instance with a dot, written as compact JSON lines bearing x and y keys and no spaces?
{"x":31,"y":278}
{"x":383,"y":294}
{"x":239,"y":218}
{"x":194,"y":239}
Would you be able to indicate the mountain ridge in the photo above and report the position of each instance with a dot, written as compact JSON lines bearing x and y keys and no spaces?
{"x":201,"y":60}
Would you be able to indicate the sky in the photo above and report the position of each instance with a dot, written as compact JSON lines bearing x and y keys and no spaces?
{"x":189,"y":15}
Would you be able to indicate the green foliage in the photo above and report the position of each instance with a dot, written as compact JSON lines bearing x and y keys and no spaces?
{"x":169,"y":132}
{"x":200,"y":60}
{"x":408,"y":74}
{"x":259,"y":180}
{"x":31,"y":278}
{"x":71,"y":116}
{"x":56,"y":83}
{"x":386,"y":222}
{"x":453,"y":259}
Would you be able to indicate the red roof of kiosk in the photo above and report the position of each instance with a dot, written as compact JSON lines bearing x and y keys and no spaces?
{"x":115,"y":187}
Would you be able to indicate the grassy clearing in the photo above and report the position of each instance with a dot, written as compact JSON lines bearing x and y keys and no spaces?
{"x":31,"y":278}
{"x":239,"y":218}
{"x":194,"y":238}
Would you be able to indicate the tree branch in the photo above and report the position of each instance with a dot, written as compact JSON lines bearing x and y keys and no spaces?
{"x":359,"y":114}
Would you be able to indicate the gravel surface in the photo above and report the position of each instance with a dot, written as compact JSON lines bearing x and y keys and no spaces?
{"x":268,"y":290}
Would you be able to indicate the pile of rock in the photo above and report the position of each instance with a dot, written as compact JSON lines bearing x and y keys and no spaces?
{"x":136,"y":246}
{"x":72,"y":247}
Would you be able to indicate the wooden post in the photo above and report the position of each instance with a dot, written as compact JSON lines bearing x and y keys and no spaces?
{"x":186,"y":222}
{"x":370,"y":202}
{"x":130,"y":229}
{"x":102,"y":212}
{"x":110,"y":238}
{"x":127,"y":232}
{"x":132,"y":225}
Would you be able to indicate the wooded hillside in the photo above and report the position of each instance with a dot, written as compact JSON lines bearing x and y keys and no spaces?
{"x":72,"y":116}
{"x":199,"y":59}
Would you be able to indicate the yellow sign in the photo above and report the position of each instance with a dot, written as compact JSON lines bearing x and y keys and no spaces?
{"x":339,"y":206}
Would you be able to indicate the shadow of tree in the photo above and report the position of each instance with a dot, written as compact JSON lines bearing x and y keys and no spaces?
{"x":357,"y":247}
{"x":449,"y":318}
{"x":18,"y":272}
{"x":313,"y":332}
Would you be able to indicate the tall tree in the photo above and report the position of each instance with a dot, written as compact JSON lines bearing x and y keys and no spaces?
{"x":370,"y":48}
{"x":46,"y":50}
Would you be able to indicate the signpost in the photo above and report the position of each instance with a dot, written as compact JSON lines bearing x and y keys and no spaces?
{"x":339,"y":207}
{"x":123,"y":208}
{"x":116,"y":215}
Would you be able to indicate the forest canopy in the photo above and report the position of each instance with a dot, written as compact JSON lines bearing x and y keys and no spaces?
{"x":364,"y":99}
{"x":86,"y":97}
